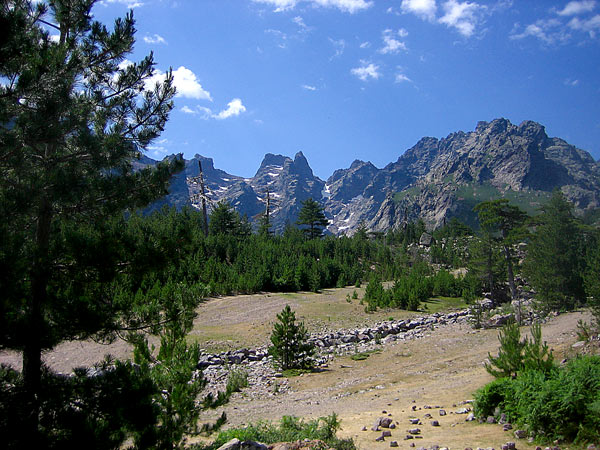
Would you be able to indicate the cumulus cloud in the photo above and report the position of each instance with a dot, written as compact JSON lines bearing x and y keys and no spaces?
{"x":366,"y":71}
{"x":234,"y":108}
{"x":462,"y":16}
{"x":591,"y":25}
{"x":391,"y":44}
{"x":349,"y":6}
{"x":556,"y":30}
{"x":423,"y":8}
{"x":577,"y":7}
{"x":184,"y":80}
{"x":154,"y":39}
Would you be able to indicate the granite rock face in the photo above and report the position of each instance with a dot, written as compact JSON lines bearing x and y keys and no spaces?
{"x":435,"y":180}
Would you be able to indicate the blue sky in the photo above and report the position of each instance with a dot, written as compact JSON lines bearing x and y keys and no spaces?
{"x":364,"y":79}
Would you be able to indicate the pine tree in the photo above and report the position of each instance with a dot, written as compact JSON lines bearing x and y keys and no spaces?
{"x":554,"y":261}
{"x":291,"y":348}
{"x":312,"y":215}
{"x":73,"y":118}
{"x":504,"y":223}
{"x":224,"y":220}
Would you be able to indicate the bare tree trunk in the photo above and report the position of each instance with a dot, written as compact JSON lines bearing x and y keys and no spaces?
{"x":32,"y":351}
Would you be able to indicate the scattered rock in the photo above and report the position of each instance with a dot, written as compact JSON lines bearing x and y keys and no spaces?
{"x":386,"y":433}
{"x":442,"y":412}
{"x":507,"y":426}
{"x":520,"y":434}
{"x":236,"y":444}
{"x":393,"y":444}
{"x":364,"y":429}
{"x":233,"y":444}
{"x":385,"y":422}
{"x":415,"y":421}
{"x":490,"y":419}
{"x":375,"y":426}
{"x":414,"y":431}
{"x":462,"y":411}
{"x":379,"y":439}
{"x":435,"y":423}
{"x":470,"y":417}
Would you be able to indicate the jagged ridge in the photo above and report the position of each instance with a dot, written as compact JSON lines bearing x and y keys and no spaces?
{"x":434,"y":180}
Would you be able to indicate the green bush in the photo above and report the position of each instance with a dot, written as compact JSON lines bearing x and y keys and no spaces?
{"x":560,"y":404}
{"x":492,"y":396}
{"x":289,"y":429}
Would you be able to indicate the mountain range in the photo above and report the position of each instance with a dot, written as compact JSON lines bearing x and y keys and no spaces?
{"x":434,"y":180}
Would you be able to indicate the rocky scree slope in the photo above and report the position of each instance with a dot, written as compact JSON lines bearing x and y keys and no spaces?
{"x":435,"y":180}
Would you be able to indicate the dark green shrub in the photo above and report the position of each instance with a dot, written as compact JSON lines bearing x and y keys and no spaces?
{"x":492,"y":396}
{"x":289,"y":429}
{"x":563,"y":403}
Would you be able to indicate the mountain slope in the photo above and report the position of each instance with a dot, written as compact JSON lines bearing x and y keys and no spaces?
{"x":435,"y":180}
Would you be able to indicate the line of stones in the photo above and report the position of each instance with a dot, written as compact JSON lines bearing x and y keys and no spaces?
{"x":344,"y":340}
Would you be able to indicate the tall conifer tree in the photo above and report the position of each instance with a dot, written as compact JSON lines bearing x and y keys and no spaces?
{"x":74,"y":115}
{"x":554,"y":262}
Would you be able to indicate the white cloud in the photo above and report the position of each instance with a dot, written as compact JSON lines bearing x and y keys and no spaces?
{"x":401,"y":78}
{"x":555,"y":30}
{"x":186,"y":109}
{"x":128,"y":3}
{"x":570,"y":82}
{"x":366,"y":71}
{"x":300,"y":22}
{"x":308,"y":87}
{"x":550,"y":31}
{"x":234,"y":108}
{"x":391,"y":44}
{"x":577,"y":7}
{"x":590,"y":25}
{"x":422,"y":8}
{"x":160,"y":148}
{"x":349,"y":6}
{"x":462,"y":16}
{"x":154,"y":39}
{"x":184,"y":80}
{"x":365,"y":44}
{"x":339,"y":46}
{"x":280,"y":36}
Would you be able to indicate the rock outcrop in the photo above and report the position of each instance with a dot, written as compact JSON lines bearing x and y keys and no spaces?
{"x":435,"y":180}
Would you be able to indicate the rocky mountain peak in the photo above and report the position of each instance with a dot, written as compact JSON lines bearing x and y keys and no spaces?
{"x":434,"y":180}
{"x":301,"y":166}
